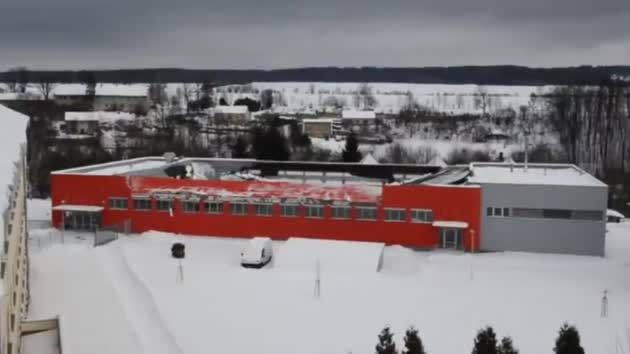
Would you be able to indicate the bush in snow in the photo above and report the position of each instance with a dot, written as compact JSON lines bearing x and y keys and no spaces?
{"x":398,"y":153}
{"x":386,"y":343}
{"x":506,"y":346}
{"x":413,"y":343}
{"x":485,"y":342}
{"x":465,"y":156}
{"x":568,"y":341}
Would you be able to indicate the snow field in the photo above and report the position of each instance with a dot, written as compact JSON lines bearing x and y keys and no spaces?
{"x":447,"y":296}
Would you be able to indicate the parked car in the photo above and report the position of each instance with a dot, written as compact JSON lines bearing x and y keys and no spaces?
{"x":257,"y":253}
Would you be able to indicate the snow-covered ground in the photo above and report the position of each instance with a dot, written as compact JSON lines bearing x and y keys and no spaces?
{"x":390,"y":97}
{"x":131,"y":297}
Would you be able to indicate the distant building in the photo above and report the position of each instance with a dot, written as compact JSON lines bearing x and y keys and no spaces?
{"x":233,"y":115}
{"x":106,"y":97}
{"x":497,"y":136}
{"x":359,"y":121}
{"x":88,"y":123}
{"x":318,"y":128}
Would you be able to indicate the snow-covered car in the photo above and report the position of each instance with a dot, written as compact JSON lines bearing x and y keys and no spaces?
{"x":257,"y":253}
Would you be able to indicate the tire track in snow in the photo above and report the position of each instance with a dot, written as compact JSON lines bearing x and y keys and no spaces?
{"x":138,"y":303}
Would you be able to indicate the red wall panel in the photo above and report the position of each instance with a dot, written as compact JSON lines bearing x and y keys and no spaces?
{"x":449,"y":203}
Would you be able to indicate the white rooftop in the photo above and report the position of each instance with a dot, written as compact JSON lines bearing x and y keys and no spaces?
{"x":547,"y":174}
{"x":614,"y":213}
{"x":352,"y":114}
{"x":318,"y":120}
{"x":135,"y":90}
{"x":98,"y":116}
{"x":231,"y":109}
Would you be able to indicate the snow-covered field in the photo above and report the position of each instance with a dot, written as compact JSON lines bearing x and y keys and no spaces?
{"x":390,"y":97}
{"x":128,"y":297}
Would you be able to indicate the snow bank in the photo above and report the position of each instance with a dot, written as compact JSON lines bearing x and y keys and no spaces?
{"x":301,"y":253}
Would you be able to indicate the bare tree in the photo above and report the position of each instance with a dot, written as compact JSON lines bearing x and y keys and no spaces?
{"x":157,"y":95}
{"x":45,"y":88}
{"x":482,"y":100}
{"x":18,"y":79}
{"x":187,"y":92}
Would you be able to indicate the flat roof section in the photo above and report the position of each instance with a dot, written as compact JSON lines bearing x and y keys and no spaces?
{"x":534,"y":174}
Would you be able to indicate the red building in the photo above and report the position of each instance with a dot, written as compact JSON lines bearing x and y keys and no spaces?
{"x":214,"y":197}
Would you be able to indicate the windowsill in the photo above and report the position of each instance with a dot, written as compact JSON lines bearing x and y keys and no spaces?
{"x":396,"y":221}
{"x":315,"y":217}
{"x":289,"y":216}
{"x":265,"y":216}
{"x":372,"y":220}
{"x":421,"y":222}
{"x":341,"y":218}
{"x":238,"y":214}
{"x":142,"y":210}
{"x":118,"y":209}
{"x":214,"y":213}
{"x":191,"y":212}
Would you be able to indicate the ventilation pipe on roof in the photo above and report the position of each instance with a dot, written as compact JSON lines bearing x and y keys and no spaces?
{"x":169,"y":157}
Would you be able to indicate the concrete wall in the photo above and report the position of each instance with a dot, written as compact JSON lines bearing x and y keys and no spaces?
{"x":582,"y":237}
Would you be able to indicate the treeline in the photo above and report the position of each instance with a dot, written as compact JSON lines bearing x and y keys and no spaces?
{"x":481,"y":75}
{"x":485,"y":342}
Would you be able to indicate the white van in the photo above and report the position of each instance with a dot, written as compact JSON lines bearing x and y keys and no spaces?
{"x":257,"y":253}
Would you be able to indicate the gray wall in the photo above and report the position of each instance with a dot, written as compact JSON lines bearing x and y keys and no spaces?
{"x":580,"y":237}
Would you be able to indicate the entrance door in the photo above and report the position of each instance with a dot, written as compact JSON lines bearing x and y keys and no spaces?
{"x":451,"y":238}
{"x":84,"y":221}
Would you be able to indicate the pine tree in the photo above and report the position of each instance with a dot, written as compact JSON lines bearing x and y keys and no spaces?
{"x":506,"y":346}
{"x":568,"y":341}
{"x":413,"y":343}
{"x":386,"y":343}
{"x":351,"y":151}
{"x":239,"y":150}
{"x":486,"y":342}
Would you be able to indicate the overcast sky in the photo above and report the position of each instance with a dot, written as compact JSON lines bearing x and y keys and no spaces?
{"x":79,"y":34}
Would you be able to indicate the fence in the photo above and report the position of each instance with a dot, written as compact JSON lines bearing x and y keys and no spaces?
{"x":107,"y":234}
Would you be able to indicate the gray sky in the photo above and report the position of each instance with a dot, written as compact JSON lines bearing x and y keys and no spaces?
{"x":78,"y":34}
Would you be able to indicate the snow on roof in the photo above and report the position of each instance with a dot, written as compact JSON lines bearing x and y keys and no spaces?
{"x":614,"y":213}
{"x":262,"y":191}
{"x":117,"y":167}
{"x":98,"y":116}
{"x":318,"y":120}
{"x":231,"y":109}
{"x":451,"y":224}
{"x":543,"y":174}
{"x":13,"y":137}
{"x":135,"y":90}
{"x":330,"y":255}
{"x":351,"y":114}
{"x":73,"y":207}
{"x":369,"y":160}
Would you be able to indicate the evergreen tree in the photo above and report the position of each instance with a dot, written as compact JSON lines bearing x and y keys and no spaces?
{"x":568,"y":341}
{"x":486,"y":342}
{"x":506,"y":346}
{"x":351,"y":152}
{"x":413,"y":343}
{"x":239,"y":150}
{"x":386,"y":343}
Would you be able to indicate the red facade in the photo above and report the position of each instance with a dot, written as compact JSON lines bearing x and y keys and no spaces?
{"x":448,"y":203}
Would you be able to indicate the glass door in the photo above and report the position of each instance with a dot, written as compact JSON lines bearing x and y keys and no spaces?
{"x":451,"y":238}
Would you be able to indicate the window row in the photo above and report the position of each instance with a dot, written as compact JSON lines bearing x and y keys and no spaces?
{"x":286,"y":210}
{"x":534,"y":213}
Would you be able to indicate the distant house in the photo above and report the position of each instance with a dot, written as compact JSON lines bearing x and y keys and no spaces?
{"x":105,"y":97}
{"x":497,"y":136}
{"x":318,"y":128}
{"x":234,"y":115}
{"x":359,"y":121}
{"x":87,"y":123}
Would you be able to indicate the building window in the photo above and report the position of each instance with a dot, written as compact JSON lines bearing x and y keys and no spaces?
{"x":118,"y":203}
{"x":419,"y":215}
{"x":527,"y":213}
{"x":556,"y":214}
{"x":594,"y":215}
{"x":315,"y":211}
{"x":397,"y":215}
{"x":289,"y":210}
{"x":142,"y":204}
{"x":214,"y":207}
{"x":366,"y":213}
{"x":12,"y":322}
{"x":190,"y":207}
{"x":263,"y":209}
{"x":164,"y":205}
{"x":239,"y":209}
{"x":500,"y":212}
{"x":341,"y":212}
